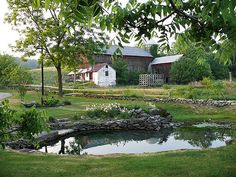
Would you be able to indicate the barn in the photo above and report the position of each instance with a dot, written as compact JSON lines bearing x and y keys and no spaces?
{"x":137,"y":59}
{"x":162,"y":65}
{"x":101,"y":74}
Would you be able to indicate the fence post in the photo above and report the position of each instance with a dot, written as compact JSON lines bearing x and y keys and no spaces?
{"x":230,"y":77}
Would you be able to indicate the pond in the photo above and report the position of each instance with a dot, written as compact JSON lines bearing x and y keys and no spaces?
{"x":100,"y":143}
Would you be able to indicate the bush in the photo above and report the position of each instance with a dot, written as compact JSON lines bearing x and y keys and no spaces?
{"x":33,"y":122}
{"x":165,"y":86}
{"x":28,"y":124}
{"x":66,"y":102}
{"x":7,"y":119}
{"x":232,"y":69}
{"x":121,"y":67}
{"x":52,"y":102}
{"x":188,"y":69}
{"x":133,"y":77}
{"x":219,"y":70}
{"x":123,"y":75}
{"x":22,"y":91}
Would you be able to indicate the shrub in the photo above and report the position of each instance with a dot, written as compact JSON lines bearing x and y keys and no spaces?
{"x":206,"y":81}
{"x":165,"y":86}
{"x":52,"y":119}
{"x":187,"y":70}
{"x":133,"y":77}
{"x":193,"y":66}
{"x":219,"y":70}
{"x":52,"y":102}
{"x":22,"y":91}
{"x":66,"y":102}
{"x":123,"y":75}
{"x":7,"y":119}
{"x":232,"y":69}
{"x":121,"y":67}
{"x":33,"y":122}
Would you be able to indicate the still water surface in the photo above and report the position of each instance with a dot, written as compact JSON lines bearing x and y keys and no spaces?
{"x":100,"y":143}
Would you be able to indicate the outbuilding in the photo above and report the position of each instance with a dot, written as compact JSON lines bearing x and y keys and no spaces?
{"x":162,"y":65}
{"x":101,"y":74}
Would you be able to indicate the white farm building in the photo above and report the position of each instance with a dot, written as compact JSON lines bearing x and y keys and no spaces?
{"x":101,"y":74}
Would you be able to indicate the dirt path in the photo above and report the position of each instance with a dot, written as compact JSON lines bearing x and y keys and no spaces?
{"x":4,"y":95}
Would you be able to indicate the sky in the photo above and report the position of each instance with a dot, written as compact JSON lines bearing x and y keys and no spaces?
{"x":7,"y":34}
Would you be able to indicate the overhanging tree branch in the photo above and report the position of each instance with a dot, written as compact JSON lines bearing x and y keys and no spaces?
{"x":184,"y":14}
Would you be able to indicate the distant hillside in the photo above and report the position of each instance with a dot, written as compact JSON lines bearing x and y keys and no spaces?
{"x":50,"y":76}
{"x":30,"y":63}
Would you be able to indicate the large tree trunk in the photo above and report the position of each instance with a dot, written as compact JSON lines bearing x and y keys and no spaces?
{"x":59,"y":76}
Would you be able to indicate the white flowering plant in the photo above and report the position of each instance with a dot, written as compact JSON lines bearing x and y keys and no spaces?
{"x":115,"y":110}
{"x":108,"y":111}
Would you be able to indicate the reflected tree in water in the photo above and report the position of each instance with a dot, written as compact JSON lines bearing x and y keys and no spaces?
{"x":200,"y":137}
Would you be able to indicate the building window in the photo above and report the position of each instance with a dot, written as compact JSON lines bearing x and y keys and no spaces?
{"x":106,"y":66}
{"x":106,"y":73}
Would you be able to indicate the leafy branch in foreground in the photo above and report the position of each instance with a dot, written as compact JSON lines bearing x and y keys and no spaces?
{"x":26,"y":125}
{"x":209,"y":22}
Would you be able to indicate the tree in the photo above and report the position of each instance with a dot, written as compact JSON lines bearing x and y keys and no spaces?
{"x":155,"y":51}
{"x":121,"y":67}
{"x":219,"y":70}
{"x":11,"y":73}
{"x":60,"y":41}
{"x":188,"y":68}
{"x":210,"y":22}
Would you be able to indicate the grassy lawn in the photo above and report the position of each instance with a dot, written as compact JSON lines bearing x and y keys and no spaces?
{"x":181,"y":112}
{"x":213,"y":162}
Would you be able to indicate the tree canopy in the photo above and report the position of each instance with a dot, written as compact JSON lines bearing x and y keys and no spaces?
{"x":209,"y":22}
{"x":60,"y":41}
{"x":11,"y":73}
{"x":189,"y":69}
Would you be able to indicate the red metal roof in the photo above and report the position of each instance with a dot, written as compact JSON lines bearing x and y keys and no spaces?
{"x":97,"y":67}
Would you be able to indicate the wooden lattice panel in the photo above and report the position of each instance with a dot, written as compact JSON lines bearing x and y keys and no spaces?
{"x":151,"y":79}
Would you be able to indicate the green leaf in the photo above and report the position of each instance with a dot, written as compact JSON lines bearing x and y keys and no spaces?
{"x":47,"y":3}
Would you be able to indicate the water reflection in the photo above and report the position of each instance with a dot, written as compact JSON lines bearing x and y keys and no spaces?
{"x":141,"y":141}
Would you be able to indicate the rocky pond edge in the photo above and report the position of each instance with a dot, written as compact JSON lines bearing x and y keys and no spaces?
{"x":153,"y":120}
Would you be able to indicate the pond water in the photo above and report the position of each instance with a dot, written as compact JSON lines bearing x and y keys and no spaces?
{"x":100,"y":143}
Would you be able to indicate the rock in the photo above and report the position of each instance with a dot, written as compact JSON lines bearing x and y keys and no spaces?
{"x":29,"y":104}
{"x":228,"y":142}
{"x":47,"y":136}
{"x":143,"y":115}
{"x":64,"y":120}
{"x":138,"y":111}
{"x":153,"y":112}
{"x":83,"y":117}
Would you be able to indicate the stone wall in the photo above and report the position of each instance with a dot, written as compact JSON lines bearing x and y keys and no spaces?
{"x":203,"y":102}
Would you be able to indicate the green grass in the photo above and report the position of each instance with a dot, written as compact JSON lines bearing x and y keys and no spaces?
{"x":219,"y":162}
{"x":181,"y":112}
